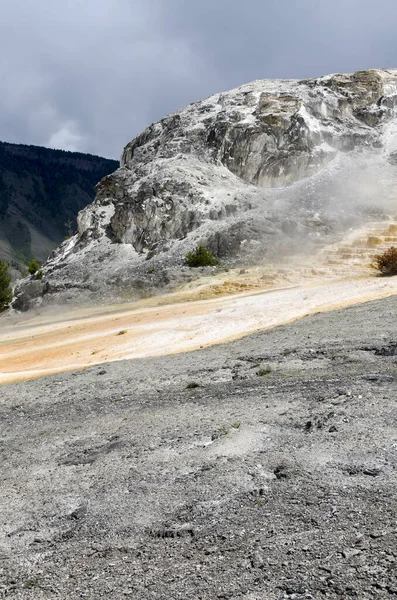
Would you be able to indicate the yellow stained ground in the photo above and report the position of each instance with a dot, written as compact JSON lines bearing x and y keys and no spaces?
{"x":206,"y":312}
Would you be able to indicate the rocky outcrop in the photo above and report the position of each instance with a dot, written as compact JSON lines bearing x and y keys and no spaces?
{"x":239,"y":170}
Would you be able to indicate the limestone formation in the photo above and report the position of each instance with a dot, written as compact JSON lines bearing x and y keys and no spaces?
{"x":240,"y":171}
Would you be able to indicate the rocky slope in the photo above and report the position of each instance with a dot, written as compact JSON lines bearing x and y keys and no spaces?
{"x":41,"y":192}
{"x":251,"y":172}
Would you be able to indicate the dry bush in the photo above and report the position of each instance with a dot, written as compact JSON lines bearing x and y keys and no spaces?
{"x":386,"y":262}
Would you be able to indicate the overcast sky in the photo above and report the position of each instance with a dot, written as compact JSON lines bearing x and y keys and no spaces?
{"x":89,"y":75}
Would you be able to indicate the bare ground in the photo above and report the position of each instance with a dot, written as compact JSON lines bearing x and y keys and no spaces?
{"x":261,"y":468}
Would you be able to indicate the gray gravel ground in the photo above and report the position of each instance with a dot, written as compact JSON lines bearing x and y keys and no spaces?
{"x":274,"y":478}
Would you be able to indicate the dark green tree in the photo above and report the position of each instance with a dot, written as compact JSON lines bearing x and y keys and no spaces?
{"x":201,"y":257}
{"x":33,"y":266}
{"x":5,"y":288}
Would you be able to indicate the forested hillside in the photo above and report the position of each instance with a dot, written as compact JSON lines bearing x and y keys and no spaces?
{"x":41,"y":192}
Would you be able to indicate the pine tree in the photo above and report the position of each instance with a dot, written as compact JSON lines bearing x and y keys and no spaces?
{"x":201,"y":257}
{"x":33,"y":266}
{"x":5,"y":288}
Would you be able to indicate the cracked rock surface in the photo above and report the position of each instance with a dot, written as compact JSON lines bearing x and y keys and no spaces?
{"x":262,"y":468}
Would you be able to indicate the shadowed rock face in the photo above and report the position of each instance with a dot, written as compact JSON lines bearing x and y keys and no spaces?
{"x":211,"y":169}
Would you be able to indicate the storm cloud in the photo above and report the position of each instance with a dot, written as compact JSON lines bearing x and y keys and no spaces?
{"x":90,"y":74}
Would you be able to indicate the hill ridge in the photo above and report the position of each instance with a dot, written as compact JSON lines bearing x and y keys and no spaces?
{"x":41,"y":192}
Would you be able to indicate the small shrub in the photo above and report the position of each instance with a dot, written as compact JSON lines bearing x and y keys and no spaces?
{"x":150,"y":254}
{"x":5,"y":288}
{"x":192,"y":385}
{"x":264,"y":370}
{"x":33,"y":266}
{"x":39,"y":275}
{"x":386,"y":262}
{"x":29,"y":584}
{"x":201,"y":257}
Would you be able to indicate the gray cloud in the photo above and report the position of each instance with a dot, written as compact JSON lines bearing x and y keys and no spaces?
{"x":89,"y":75}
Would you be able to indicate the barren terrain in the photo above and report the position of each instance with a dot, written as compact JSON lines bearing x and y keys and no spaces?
{"x":264,"y":467}
{"x":261,"y":468}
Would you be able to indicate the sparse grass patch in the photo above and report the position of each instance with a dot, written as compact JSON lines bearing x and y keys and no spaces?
{"x":386,"y":262}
